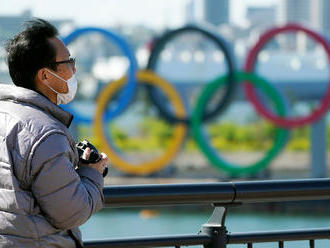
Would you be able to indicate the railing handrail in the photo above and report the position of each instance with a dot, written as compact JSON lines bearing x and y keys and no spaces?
{"x":154,"y":241}
{"x":202,"y":239}
{"x":217,"y":193}
{"x":282,"y":235}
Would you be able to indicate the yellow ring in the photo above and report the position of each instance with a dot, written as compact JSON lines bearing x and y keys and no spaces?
{"x":179,"y":129}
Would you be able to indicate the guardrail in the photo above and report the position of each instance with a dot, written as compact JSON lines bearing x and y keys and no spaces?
{"x":222,"y":195}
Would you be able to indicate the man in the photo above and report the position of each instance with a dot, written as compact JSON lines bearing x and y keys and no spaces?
{"x":43,"y":199}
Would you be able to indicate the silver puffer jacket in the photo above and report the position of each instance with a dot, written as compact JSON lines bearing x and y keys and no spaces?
{"x":41,"y":194}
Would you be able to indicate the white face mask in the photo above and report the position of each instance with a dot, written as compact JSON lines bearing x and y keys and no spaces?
{"x":64,"y":98}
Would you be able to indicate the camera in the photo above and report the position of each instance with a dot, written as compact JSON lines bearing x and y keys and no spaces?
{"x":94,"y":156}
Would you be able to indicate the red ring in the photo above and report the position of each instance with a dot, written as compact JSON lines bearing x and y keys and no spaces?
{"x":249,"y":90}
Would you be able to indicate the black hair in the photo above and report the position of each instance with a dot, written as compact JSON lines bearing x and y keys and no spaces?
{"x":29,"y":51}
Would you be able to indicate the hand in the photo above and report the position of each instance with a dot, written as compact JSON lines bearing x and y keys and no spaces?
{"x":99,"y":166}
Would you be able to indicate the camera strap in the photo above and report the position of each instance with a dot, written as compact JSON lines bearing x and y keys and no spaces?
{"x":76,"y":241}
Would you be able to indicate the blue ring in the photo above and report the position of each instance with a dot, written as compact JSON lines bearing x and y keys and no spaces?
{"x":127,"y":91}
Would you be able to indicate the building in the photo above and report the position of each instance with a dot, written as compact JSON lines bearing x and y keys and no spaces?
{"x":190,"y":16}
{"x":313,"y":14}
{"x":11,"y":25}
{"x":297,"y":11}
{"x":216,"y":12}
{"x":265,"y":16}
{"x":325,"y":17}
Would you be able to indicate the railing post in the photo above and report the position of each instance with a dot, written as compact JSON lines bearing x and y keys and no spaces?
{"x":280,"y":244}
{"x":216,"y":229}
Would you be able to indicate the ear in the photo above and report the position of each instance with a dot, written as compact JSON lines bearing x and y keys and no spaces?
{"x":42,"y":75}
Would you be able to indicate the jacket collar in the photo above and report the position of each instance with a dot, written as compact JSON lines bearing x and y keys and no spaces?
{"x":19,"y":94}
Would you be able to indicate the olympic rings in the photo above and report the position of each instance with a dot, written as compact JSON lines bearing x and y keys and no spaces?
{"x":215,"y":159}
{"x":128,"y":91}
{"x":222,"y":44}
{"x":318,"y":112}
{"x":178,"y":117}
{"x":145,"y":77}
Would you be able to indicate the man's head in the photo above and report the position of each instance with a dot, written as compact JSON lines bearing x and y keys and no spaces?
{"x":35,"y":55}
{"x":29,"y":51}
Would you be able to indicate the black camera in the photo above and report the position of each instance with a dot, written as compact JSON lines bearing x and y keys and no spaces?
{"x":94,"y":156}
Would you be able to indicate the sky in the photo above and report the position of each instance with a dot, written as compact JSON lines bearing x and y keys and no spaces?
{"x":153,"y":13}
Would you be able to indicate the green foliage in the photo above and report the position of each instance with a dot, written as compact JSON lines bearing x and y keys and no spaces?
{"x":298,"y":144}
{"x":229,"y":136}
{"x":154,"y":135}
{"x":299,"y":140}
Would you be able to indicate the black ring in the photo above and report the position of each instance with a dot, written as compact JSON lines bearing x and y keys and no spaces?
{"x":159,"y":45}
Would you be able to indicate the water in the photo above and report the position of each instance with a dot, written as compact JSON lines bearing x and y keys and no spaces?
{"x":119,"y":223}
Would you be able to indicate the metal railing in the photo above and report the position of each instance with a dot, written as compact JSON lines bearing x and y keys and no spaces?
{"x":222,"y":196}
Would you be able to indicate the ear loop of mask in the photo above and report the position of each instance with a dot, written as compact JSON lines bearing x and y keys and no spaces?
{"x":58,"y":78}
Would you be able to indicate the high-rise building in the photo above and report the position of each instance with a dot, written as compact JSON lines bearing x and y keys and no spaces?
{"x":313,"y":13}
{"x":265,"y":16}
{"x":298,"y":11}
{"x":190,"y":12}
{"x":216,"y":11}
{"x":11,"y":25}
{"x":325,"y":17}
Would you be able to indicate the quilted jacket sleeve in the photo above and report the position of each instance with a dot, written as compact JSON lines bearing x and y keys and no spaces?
{"x":66,"y":198}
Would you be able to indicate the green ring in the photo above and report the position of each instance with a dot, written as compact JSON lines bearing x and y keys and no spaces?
{"x":214,"y":158}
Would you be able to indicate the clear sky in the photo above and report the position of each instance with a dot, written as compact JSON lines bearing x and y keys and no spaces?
{"x":153,"y":13}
